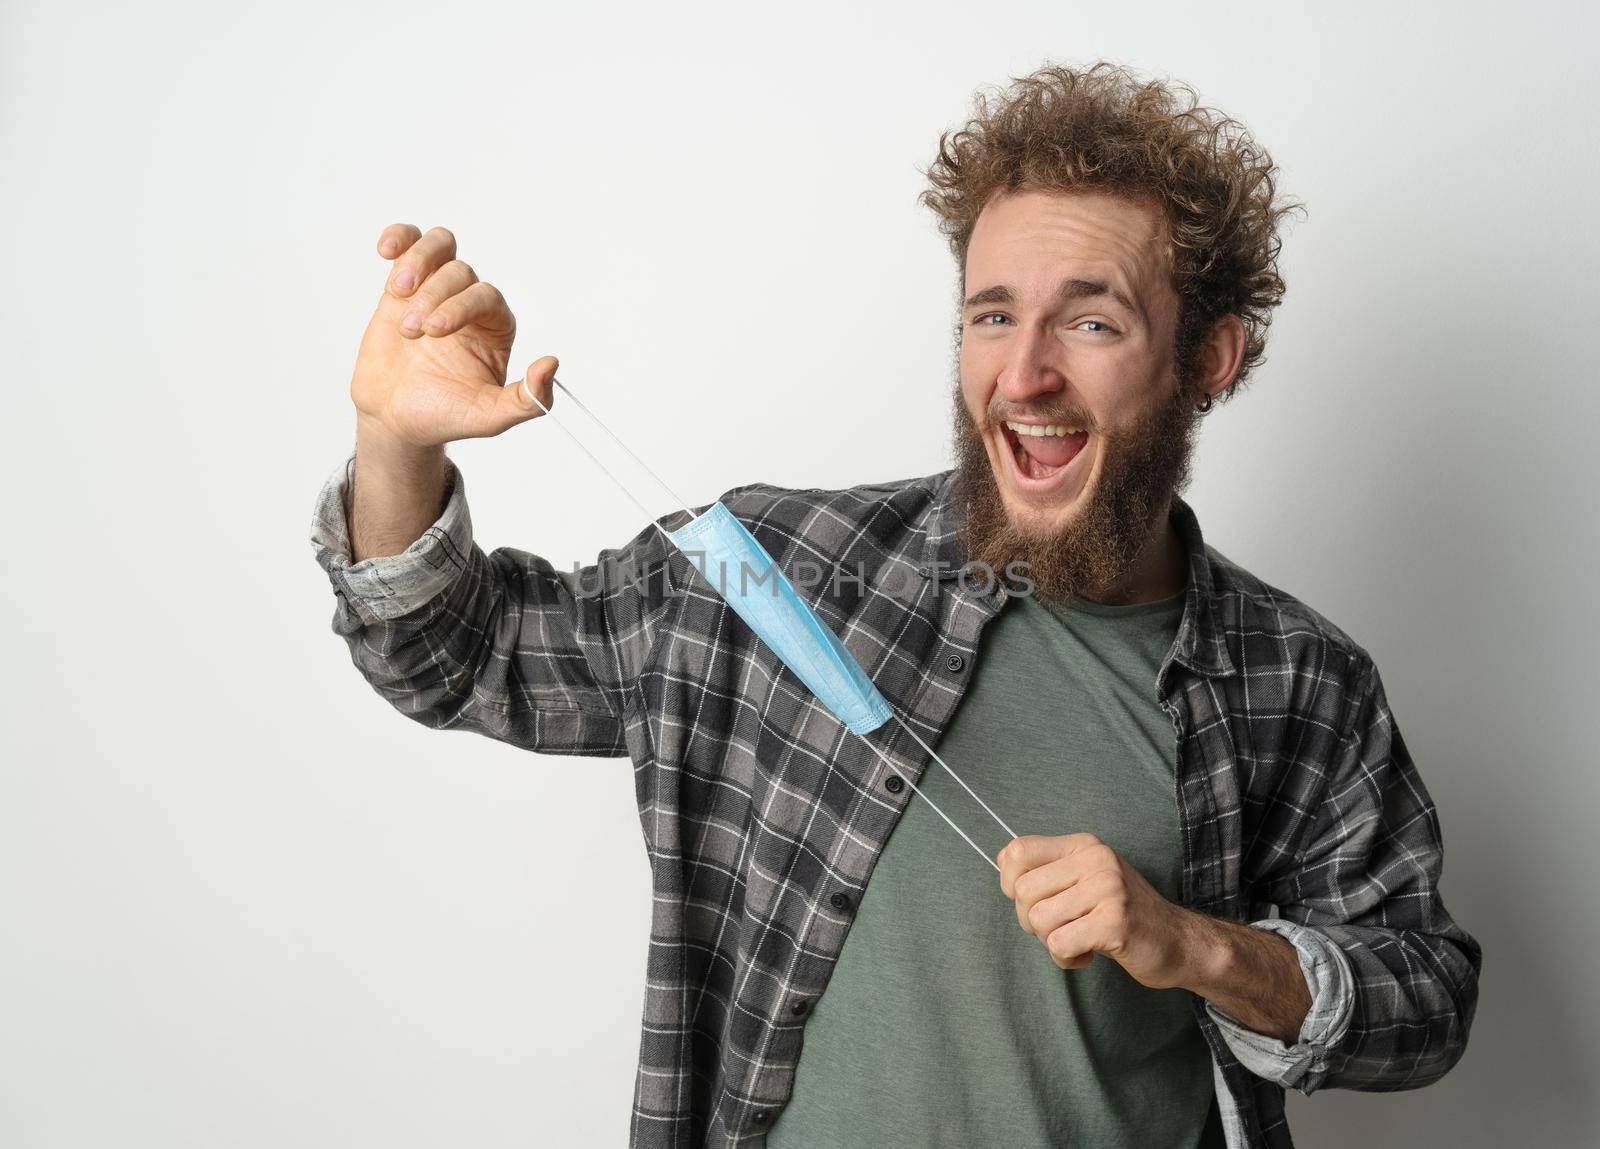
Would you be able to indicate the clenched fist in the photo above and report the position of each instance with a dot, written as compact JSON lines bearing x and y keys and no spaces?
{"x":1077,"y":896}
{"x":432,"y":364}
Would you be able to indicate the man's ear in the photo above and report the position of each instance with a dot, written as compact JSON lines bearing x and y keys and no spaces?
{"x":1221,"y":355}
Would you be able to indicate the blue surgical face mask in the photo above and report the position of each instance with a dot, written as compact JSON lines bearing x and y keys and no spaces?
{"x":748,"y":579}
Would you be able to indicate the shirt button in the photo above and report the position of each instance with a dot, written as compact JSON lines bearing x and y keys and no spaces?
{"x":955,"y":663}
{"x":799,"y":1007}
{"x":894,"y":783}
{"x":761,"y":1116}
{"x":840,"y":901}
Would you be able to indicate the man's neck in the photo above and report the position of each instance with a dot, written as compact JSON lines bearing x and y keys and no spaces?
{"x":1161,"y":569}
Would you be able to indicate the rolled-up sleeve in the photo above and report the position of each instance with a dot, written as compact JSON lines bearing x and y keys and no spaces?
{"x":1394,"y":978}
{"x":385,"y":587}
{"x":501,"y":643}
{"x":1332,"y":984}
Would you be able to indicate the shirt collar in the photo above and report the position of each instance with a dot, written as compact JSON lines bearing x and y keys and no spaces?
{"x":1201,"y":644}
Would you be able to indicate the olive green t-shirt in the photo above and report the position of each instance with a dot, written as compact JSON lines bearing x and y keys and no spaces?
{"x":943,"y":1024}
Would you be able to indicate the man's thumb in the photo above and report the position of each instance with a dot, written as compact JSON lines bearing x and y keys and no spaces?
{"x":524,"y":397}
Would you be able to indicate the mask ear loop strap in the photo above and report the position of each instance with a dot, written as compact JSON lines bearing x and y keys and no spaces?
{"x":645,"y":511}
{"x":887,"y":762}
{"x":621,"y":486}
{"x":567,"y":391}
{"x":935,"y":755}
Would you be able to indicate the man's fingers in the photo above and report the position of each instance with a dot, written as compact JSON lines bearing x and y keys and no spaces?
{"x":479,"y":303}
{"x":1072,"y":946}
{"x":396,"y":238}
{"x":420,"y":259}
{"x":1040,"y":884}
{"x":1028,"y":851}
{"x":1020,"y":855}
{"x":451,"y":279}
{"x":1042,"y":881}
{"x":1049,"y":914}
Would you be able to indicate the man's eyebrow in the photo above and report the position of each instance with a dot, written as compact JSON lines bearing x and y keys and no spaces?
{"x":1069,"y":290}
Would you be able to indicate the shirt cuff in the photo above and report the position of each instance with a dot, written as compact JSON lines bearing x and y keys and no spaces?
{"x":385,"y":587}
{"x":1304,"y":1065}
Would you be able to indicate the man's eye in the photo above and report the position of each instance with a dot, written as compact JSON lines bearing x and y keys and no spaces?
{"x":1100,"y":325}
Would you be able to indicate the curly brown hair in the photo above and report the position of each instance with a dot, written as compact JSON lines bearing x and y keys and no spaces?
{"x":1102,"y":128}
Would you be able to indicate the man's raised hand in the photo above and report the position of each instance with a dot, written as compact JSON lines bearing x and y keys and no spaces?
{"x":432,"y":363}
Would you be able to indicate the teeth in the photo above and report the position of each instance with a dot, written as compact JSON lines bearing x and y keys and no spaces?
{"x":1059,"y":430}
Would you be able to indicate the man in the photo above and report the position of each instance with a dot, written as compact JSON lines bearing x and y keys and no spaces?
{"x":1226,"y":874}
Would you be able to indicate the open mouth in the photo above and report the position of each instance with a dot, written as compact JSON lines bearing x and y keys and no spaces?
{"x":1042,"y":453}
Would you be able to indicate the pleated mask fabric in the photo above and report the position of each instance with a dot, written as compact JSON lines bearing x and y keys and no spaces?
{"x":751,"y":582}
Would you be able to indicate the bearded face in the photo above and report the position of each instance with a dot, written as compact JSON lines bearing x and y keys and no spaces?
{"x":1074,"y":423}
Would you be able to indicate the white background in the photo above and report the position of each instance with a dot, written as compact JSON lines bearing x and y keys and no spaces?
{"x":244,"y":902}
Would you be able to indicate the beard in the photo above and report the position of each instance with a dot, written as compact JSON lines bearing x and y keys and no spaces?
{"x":1141,"y":468}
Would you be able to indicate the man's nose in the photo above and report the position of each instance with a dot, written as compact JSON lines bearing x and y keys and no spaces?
{"x":1031,"y":368}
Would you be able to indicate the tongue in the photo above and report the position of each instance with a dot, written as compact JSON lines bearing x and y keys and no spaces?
{"x":1051,"y":450}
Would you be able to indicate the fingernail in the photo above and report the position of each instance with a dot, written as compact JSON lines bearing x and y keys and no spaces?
{"x":412,"y":321}
{"x":404,"y":281}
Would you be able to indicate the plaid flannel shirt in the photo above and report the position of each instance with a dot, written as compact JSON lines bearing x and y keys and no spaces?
{"x":1300,"y":808}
